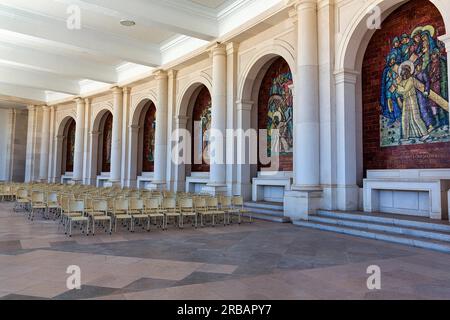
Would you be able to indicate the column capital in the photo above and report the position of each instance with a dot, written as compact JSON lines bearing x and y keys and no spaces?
{"x":116,"y":90}
{"x":244,"y":105}
{"x":45,"y":108}
{"x":181,"y":120}
{"x":232,"y":47}
{"x":346,"y":76}
{"x":160,"y":74}
{"x":31,"y":107}
{"x":293,"y":16}
{"x":87,"y":101}
{"x":217,"y":48}
{"x":324,"y":3}
{"x":300,"y":5}
{"x":126,"y":90}
{"x":172,"y":73}
{"x":79,"y":101}
{"x":134,"y":128}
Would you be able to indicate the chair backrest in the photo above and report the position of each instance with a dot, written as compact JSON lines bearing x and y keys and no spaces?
{"x":37,"y":196}
{"x":88,"y":202}
{"x":169,"y":203}
{"x":52,"y":197}
{"x":186,"y":203}
{"x":225,"y":201}
{"x":100,"y":205}
{"x":238,"y":201}
{"x":22,"y":194}
{"x":212,"y":202}
{"x":76,"y":206}
{"x":199,"y":202}
{"x":121,"y":204}
{"x":152,"y":203}
{"x":136,"y":204}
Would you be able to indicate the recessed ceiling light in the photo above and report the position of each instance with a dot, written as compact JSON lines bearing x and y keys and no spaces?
{"x":127,"y":23}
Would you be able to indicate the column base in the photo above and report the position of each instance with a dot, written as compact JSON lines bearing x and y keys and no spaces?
{"x":156,"y":185}
{"x":215,"y":189}
{"x":245,"y":191}
{"x":299,"y":204}
{"x":347,"y":198}
{"x":74,"y":182}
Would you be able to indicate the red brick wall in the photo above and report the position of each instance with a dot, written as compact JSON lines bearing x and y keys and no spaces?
{"x":279,"y":66}
{"x":202,"y":103}
{"x":434,"y":155}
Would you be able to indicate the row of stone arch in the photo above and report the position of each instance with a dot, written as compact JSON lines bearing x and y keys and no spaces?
{"x":350,"y":56}
{"x":195,"y":106}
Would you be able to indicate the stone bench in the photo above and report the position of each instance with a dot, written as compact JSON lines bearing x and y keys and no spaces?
{"x":144,"y":180}
{"x":196,"y":182}
{"x":435,"y":205}
{"x":273,"y":183}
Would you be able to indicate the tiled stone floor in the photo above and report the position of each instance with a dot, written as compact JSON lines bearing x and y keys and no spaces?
{"x":258,"y":261}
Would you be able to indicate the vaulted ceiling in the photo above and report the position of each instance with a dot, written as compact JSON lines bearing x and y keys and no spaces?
{"x":42,"y":59}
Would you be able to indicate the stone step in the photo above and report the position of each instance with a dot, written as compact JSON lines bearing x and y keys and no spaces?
{"x":394,"y":220}
{"x":268,"y":217}
{"x":378,"y":235}
{"x":394,"y":229}
{"x":265,"y":205}
{"x":268,"y":211}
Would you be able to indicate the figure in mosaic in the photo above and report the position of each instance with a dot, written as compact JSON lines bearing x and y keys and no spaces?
{"x":414,"y":90}
{"x":280,"y":114}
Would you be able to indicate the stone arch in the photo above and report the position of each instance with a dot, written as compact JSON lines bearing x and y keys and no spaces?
{"x":387,"y":144}
{"x":249,"y":75}
{"x":349,"y":62}
{"x":100,"y":118}
{"x":136,"y":137}
{"x":184,"y":121}
{"x":249,"y":87}
{"x":61,"y":145}
{"x":184,"y":99}
{"x":356,"y":36}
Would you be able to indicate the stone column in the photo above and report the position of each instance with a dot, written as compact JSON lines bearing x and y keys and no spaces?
{"x":159,"y":179}
{"x":87,"y":142}
{"x":116,"y":145}
{"x":244,"y":185}
{"x":43,"y":164}
{"x":58,"y":142}
{"x":231,"y":148}
{"x":183,"y":147}
{"x":51,"y":152}
{"x":125,"y":134}
{"x":30,"y":144}
{"x":217,"y":178}
{"x":9,"y":152}
{"x":347,"y":189}
{"x":133,"y":133}
{"x":306,"y":194}
{"x":79,"y":141}
{"x":328,"y":147}
{"x":171,"y":110}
